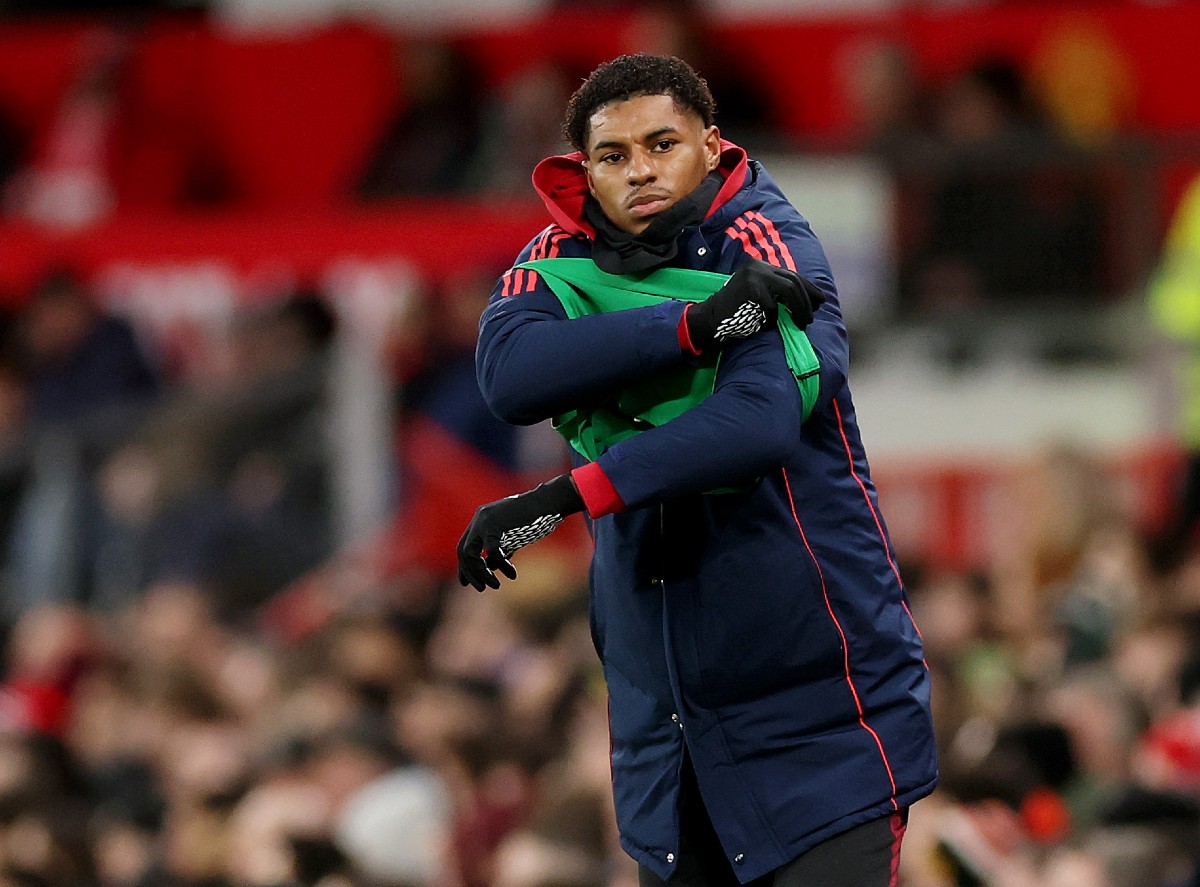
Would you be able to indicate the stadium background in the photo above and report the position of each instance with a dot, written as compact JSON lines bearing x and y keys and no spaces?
{"x":243,"y":248}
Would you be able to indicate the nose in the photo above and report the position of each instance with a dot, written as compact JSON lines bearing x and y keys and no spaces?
{"x":640,"y":170}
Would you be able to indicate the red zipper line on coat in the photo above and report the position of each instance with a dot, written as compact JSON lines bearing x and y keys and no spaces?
{"x":845,"y":646}
{"x":878,"y":524}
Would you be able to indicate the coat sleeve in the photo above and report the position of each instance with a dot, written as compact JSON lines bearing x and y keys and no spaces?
{"x":748,"y":427}
{"x":533,"y":363}
{"x":778,"y":234}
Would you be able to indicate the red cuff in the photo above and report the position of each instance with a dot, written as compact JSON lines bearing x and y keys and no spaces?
{"x":685,"y":338}
{"x":599,"y":495}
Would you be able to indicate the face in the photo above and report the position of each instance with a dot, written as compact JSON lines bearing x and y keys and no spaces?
{"x":644,"y":154}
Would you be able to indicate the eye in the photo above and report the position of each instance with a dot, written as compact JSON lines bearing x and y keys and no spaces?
{"x":611,"y":158}
{"x":664,"y":145}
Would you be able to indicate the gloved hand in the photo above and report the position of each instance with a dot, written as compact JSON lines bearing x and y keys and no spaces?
{"x":500,"y":528}
{"x":749,"y":301}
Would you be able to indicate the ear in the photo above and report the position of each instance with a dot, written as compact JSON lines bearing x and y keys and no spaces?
{"x":587,"y":171}
{"x":712,"y":147}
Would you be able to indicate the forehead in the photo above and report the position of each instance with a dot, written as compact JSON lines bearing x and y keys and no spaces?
{"x":634,"y":118}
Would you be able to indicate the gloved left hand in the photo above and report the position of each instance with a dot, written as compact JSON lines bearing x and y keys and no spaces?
{"x":500,"y":528}
{"x":749,"y":301}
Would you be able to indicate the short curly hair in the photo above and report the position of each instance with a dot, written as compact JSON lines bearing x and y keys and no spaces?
{"x":628,"y":76}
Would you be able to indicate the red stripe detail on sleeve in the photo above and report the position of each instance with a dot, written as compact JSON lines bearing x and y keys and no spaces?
{"x":773,"y":233}
{"x":506,"y":290}
{"x":761,"y":239}
{"x":845,"y":646}
{"x":531,"y":282}
{"x":599,"y":495}
{"x":519,"y":281}
{"x":747,"y":246}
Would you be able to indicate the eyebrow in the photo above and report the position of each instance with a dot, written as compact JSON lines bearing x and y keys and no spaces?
{"x":649,"y":137}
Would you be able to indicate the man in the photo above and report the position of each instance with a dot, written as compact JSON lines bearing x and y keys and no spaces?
{"x":769,"y":705}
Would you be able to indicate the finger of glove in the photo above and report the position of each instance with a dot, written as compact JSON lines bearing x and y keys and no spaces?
{"x":506,"y":567}
{"x":746,"y":282}
{"x":782,"y":281}
{"x":476,"y":574}
{"x":811,"y":295}
{"x":762,"y":293}
{"x":494,"y":556}
{"x":464,"y":579}
{"x":752,"y":268}
{"x":815,"y":295}
{"x":794,"y":293}
{"x":798,"y":306}
{"x":497,"y":560}
{"x":471,"y":566}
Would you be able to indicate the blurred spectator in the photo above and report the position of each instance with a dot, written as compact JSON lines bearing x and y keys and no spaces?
{"x":234,"y":479}
{"x":393,"y":829}
{"x":1149,"y":837}
{"x":430,"y":143}
{"x":889,"y":100}
{"x":48,"y":653}
{"x":446,"y":390}
{"x":89,"y":384}
{"x":521,"y":126}
{"x":1011,"y":215}
{"x":82,"y":361}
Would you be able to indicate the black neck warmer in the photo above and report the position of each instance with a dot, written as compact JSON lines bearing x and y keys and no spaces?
{"x":619,"y":252}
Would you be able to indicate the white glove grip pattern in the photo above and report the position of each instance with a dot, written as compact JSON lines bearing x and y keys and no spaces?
{"x":518,"y":537}
{"x":746,"y":321}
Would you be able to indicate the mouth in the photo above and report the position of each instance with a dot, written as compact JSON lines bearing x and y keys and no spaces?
{"x":648,"y":204}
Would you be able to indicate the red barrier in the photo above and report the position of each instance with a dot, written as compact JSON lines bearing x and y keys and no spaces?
{"x":434,"y":237}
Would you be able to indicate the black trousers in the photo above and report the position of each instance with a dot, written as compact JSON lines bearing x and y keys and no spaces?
{"x":865,"y":856}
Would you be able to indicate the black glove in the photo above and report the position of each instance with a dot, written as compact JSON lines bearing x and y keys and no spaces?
{"x":749,"y":301}
{"x":500,"y":528}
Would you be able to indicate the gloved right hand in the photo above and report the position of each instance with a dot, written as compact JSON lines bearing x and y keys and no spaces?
{"x":502,"y":527}
{"x":749,"y":301}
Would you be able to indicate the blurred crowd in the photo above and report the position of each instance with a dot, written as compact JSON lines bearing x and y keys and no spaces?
{"x":205,"y":684}
{"x":200,"y":688}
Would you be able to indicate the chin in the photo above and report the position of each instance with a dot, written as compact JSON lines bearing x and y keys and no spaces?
{"x":640,"y":224}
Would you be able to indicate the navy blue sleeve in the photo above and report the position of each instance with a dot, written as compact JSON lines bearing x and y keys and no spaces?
{"x":748,"y":427}
{"x":827,"y":332}
{"x":533,"y":363}
{"x":777,"y":233}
